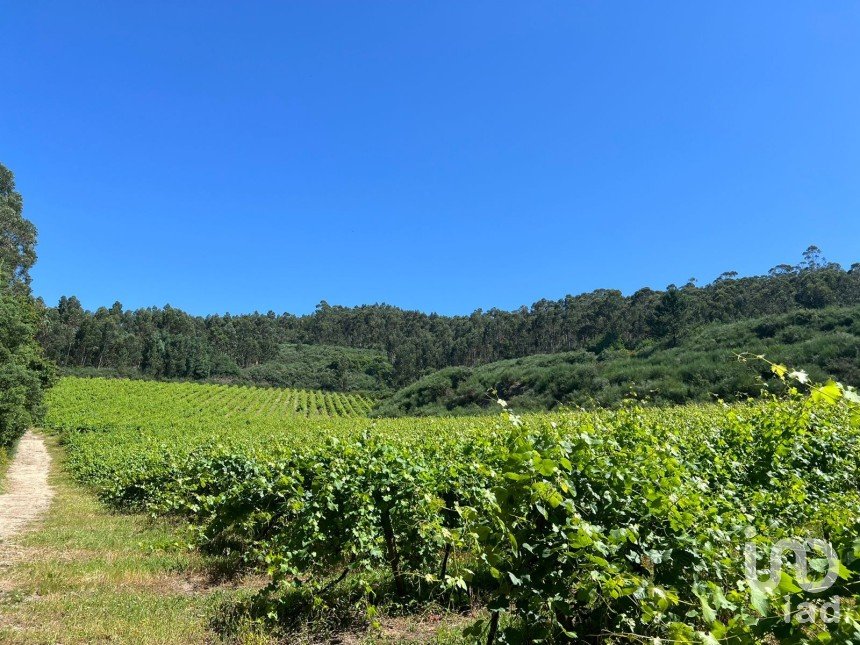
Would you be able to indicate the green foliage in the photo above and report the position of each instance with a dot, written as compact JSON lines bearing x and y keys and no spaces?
{"x":325,"y":367}
{"x":701,"y":368}
{"x":169,"y":344}
{"x":4,"y":464}
{"x":17,"y":234}
{"x":670,"y":313}
{"x":210,"y":410}
{"x":24,"y":372}
{"x":605,"y":526}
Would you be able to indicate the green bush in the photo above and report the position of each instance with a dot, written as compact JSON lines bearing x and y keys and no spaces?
{"x":24,"y":373}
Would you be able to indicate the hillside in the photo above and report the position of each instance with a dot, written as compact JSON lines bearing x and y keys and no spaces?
{"x":167,"y":343}
{"x":701,"y":367}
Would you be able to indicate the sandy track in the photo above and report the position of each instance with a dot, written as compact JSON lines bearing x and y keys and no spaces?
{"x":27,"y":493}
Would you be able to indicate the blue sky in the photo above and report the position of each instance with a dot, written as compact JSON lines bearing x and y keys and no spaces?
{"x":441,"y":156}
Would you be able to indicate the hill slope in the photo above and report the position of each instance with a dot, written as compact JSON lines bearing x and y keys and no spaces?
{"x":702,"y":366}
{"x":171,"y":344}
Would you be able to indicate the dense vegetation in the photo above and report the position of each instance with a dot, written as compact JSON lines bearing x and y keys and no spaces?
{"x":324,"y":367}
{"x":611,"y":526}
{"x":307,"y":367}
{"x":24,"y":373}
{"x":83,"y":403}
{"x":700,"y":368}
{"x":168,"y":343}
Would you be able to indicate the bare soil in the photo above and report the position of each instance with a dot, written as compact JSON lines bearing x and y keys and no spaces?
{"x":27,"y":494}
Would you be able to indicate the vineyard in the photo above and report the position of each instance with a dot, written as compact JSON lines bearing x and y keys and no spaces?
{"x":611,"y":526}
{"x":115,"y":403}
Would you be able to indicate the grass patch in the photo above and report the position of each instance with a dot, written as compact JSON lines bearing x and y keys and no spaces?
{"x":87,"y":575}
{"x":7,"y":453}
{"x":4,"y":466}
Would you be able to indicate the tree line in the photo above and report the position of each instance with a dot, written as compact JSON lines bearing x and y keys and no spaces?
{"x":169,"y":343}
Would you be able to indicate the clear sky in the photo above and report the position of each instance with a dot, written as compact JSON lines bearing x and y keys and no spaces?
{"x":442,"y":156}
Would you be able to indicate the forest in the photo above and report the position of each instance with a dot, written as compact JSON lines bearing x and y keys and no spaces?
{"x":399,"y":347}
{"x":702,"y":367}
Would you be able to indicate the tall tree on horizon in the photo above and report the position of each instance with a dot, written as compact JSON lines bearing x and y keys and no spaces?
{"x":670,"y":314}
{"x":17,"y":235}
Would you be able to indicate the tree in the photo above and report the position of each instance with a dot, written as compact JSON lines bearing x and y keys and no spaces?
{"x":24,"y":372}
{"x":814,"y":291}
{"x":781,"y":269}
{"x":813,"y":259}
{"x":670,"y":314}
{"x":726,"y":275}
{"x":17,"y":235}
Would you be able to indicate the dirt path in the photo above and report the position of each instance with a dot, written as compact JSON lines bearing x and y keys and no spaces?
{"x":27,"y":493}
